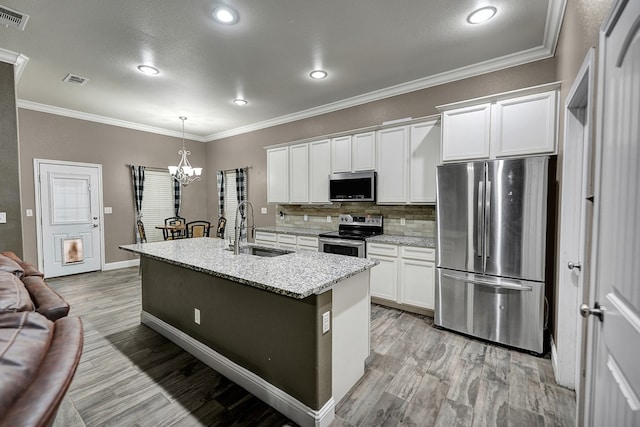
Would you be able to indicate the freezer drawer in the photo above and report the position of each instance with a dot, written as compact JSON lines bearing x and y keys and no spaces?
{"x":506,"y":311}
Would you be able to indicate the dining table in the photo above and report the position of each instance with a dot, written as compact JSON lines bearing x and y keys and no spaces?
{"x":172,"y":230}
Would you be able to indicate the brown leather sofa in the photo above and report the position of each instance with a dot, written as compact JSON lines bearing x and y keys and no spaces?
{"x":40,"y":346}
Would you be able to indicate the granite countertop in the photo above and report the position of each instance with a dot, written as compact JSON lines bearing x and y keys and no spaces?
{"x":297,"y":274}
{"x":298,"y":231}
{"x":422,"y":242}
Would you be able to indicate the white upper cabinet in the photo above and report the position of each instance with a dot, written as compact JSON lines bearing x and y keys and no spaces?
{"x":393,"y":164}
{"x":466,"y":133}
{"x":299,"y":173}
{"x":363,"y":152}
{"x":341,"y":154}
{"x":518,"y":123}
{"x":319,"y":170}
{"x":424,"y":157}
{"x":278,"y":175}
{"x":525,"y":125}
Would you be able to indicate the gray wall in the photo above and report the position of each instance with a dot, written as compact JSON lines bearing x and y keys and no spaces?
{"x":11,"y":232}
{"x":48,"y":136}
{"x":248,"y":149}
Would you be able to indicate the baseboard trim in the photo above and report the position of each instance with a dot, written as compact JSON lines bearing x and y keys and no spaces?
{"x":268,"y":393}
{"x":121,"y":264}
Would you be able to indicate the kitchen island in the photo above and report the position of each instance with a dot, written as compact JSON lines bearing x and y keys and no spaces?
{"x":262,"y":321}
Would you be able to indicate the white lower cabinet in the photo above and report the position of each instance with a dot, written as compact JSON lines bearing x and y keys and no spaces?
{"x":405,"y":275}
{"x":286,"y":241}
{"x":384,"y":276}
{"x":308,"y":243}
{"x":417,"y":276}
{"x":266,"y":239}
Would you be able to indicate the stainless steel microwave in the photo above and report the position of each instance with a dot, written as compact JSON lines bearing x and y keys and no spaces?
{"x":352,"y":187}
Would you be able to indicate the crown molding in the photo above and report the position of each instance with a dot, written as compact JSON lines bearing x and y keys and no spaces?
{"x":553,"y":24}
{"x":18,"y":60}
{"x":44,"y":108}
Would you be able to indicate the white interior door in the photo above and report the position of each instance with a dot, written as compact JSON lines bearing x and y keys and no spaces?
{"x":69,"y":235}
{"x":614,"y":375}
{"x":571,"y":261}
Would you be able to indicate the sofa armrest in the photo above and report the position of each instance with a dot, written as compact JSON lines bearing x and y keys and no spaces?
{"x":46,"y":301}
{"x":38,"y":405}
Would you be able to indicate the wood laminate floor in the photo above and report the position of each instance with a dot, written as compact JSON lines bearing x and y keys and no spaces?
{"x":417,"y":375}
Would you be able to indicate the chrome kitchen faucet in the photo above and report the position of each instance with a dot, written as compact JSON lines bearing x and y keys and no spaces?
{"x":239,"y":227}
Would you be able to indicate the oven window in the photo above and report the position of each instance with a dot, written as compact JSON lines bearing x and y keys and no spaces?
{"x":341,"y":250}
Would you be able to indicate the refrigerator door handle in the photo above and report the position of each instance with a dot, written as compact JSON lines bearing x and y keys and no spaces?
{"x":480,"y":242}
{"x":487,"y":227}
{"x":502,"y":284}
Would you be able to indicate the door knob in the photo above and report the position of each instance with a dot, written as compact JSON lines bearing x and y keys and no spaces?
{"x":597,"y":311}
{"x":95,"y":225}
{"x":576,"y":265}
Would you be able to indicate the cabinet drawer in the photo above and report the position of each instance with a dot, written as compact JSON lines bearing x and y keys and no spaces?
{"x":265,"y":237}
{"x":412,"y":252}
{"x":308,"y":241}
{"x":382,"y":249}
{"x":288,"y":239}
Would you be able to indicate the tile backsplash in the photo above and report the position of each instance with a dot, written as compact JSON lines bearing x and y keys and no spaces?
{"x":420,"y":221}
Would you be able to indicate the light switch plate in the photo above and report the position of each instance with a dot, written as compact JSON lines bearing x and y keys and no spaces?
{"x":108,"y":209}
{"x":3,"y":217}
{"x":29,"y":212}
{"x":403,"y":221}
{"x":263,"y":210}
{"x":328,"y":218}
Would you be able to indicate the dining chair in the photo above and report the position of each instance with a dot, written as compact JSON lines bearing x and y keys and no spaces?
{"x":141,"y":232}
{"x":222,"y":223}
{"x":175,"y":221}
{"x":198,"y":228}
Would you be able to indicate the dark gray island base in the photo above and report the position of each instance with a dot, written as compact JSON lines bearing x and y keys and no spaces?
{"x":269,"y":341}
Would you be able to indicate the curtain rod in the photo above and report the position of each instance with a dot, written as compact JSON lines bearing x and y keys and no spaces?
{"x":233,"y":170}
{"x":151,"y":168}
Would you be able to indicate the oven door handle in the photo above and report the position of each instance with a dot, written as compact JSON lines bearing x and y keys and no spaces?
{"x":351,"y":243}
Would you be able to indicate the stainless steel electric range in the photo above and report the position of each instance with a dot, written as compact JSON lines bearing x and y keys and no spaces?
{"x":352,"y":232}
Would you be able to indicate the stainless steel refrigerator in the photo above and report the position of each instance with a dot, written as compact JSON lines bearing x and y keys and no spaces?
{"x":491,"y":250}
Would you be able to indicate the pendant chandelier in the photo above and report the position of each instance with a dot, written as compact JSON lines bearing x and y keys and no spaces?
{"x":184,"y":173}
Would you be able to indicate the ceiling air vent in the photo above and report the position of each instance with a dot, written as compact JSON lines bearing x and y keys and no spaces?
{"x":76,"y":80}
{"x":13,"y":18}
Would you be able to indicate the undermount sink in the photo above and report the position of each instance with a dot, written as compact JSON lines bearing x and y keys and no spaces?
{"x":261,"y":251}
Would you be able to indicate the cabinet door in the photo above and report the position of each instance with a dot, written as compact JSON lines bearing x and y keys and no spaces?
{"x":384,"y":278}
{"x":466,"y":133}
{"x":417,"y":283}
{"x":392,"y":165}
{"x":363,"y":152}
{"x":424,"y":156}
{"x":525,"y":125}
{"x":278,"y":175}
{"x":341,"y":154}
{"x":319,"y":170}
{"x":299,"y":175}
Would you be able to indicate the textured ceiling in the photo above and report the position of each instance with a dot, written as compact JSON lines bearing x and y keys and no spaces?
{"x":371,"y":49}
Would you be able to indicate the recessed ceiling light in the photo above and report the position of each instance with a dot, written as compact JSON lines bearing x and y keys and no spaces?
{"x":225,"y":15}
{"x":239,"y":101}
{"x":318,"y":74}
{"x":148,"y":69}
{"x":481,"y":15}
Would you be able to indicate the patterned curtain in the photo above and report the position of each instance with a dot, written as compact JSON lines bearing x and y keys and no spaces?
{"x":220,"y":179}
{"x":177,"y":196}
{"x":241,"y":191}
{"x":137,"y":175}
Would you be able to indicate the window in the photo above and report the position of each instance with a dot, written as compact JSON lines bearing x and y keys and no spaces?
{"x":230,"y":203}
{"x":157,"y":202}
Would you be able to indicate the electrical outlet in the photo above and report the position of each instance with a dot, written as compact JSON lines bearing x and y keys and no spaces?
{"x":326,"y":322}
{"x":263,"y":210}
{"x":3,"y":217}
{"x":306,"y":217}
{"x":402,"y":221}
{"x":328,"y":218}
{"x":196,"y":316}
